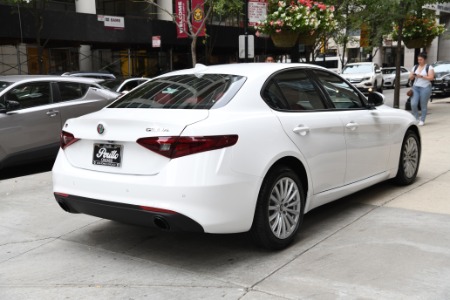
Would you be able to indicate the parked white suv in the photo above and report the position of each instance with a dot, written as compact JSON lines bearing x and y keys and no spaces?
{"x":366,"y":76}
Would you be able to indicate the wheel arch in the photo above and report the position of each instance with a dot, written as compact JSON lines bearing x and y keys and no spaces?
{"x":415,"y":129}
{"x":297,"y":166}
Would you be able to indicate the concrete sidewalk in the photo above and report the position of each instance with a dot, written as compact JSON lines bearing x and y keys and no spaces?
{"x":385,"y":242}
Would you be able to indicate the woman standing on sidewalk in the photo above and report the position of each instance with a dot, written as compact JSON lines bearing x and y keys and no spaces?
{"x":422,"y":74}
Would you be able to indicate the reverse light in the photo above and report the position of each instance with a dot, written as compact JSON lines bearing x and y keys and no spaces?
{"x":67,"y":139}
{"x":174,"y":146}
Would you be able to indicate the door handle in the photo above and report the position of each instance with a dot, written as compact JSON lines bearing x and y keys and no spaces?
{"x":301,"y":129}
{"x":52,"y":113}
{"x":352,"y":125}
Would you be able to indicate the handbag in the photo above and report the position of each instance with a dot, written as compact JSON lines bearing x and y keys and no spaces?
{"x":409,"y":93}
{"x":408,"y":105}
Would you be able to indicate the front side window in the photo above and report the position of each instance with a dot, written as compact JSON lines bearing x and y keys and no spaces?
{"x":189,"y":91}
{"x":72,"y":90}
{"x":293,"y":90}
{"x":31,"y":94}
{"x":340,"y":92}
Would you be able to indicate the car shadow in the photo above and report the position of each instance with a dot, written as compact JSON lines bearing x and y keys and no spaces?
{"x":218,"y":253}
{"x":28,"y":169}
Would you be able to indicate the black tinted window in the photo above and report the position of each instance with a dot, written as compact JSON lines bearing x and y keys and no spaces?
{"x":200,"y":91}
{"x":4,"y":84}
{"x":341,"y":93}
{"x":31,"y":94}
{"x":293,"y":90}
{"x":72,"y":90}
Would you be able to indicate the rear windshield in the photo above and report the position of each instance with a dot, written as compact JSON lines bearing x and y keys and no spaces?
{"x":189,"y":91}
{"x":4,"y":85}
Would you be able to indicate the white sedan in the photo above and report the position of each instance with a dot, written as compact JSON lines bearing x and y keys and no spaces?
{"x":389,"y":77}
{"x":233,"y":148}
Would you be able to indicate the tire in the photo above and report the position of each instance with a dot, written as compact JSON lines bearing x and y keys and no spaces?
{"x":276,"y":224}
{"x":380,"y":88}
{"x":408,"y":84}
{"x":409,"y":159}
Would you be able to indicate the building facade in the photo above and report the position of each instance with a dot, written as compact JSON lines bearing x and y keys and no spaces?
{"x":105,"y":35}
{"x":129,"y":38}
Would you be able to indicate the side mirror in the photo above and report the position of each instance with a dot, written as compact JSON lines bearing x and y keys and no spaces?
{"x":375,"y":99}
{"x":377,"y":71}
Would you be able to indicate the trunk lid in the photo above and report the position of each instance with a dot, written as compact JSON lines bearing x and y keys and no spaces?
{"x":108,"y":138}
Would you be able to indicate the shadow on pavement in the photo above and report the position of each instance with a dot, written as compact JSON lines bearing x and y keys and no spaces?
{"x":28,"y":169}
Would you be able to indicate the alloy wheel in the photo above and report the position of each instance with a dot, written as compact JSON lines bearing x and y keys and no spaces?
{"x":284,"y":208}
{"x":410,"y":157}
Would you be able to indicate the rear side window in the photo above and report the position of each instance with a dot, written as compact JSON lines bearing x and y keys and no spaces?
{"x":293,"y":90}
{"x":72,"y":90}
{"x":189,"y":91}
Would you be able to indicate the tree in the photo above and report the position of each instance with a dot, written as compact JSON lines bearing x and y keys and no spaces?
{"x":383,"y":15}
{"x":222,"y":11}
{"x":192,"y":31}
{"x":37,"y":8}
{"x":380,"y":17}
{"x":346,"y":22}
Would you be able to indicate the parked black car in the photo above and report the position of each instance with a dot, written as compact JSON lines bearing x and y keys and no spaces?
{"x":441,"y":83}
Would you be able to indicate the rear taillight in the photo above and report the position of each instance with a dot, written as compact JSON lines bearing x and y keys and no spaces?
{"x":67,"y":139}
{"x":173,"y":147}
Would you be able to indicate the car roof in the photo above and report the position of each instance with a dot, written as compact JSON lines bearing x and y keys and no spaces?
{"x":87,"y":72}
{"x":243,"y":69}
{"x":28,"y":78}
{"x":360,"y":63}
{"x":389,"y":68}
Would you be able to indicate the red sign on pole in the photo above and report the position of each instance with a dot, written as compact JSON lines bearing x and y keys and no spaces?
{"x":156,"y":41}
{"x":181,"y":15}
{"x":198,"y":17}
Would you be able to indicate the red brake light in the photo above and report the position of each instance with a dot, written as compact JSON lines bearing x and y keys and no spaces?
{"x":173,"y":146}
{"x":67,"y":139}
{"x":157,"y":210}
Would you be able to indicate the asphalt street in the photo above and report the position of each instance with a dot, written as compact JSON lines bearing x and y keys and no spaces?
{"x":385,"y":242}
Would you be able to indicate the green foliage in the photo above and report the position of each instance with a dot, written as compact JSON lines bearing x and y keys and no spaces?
{"x":297,"y":16}
{"x":420,"y":27}
{"x":227,"y":7}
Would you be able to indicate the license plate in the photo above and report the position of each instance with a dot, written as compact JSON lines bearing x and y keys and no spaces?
{"x":107,"y":155}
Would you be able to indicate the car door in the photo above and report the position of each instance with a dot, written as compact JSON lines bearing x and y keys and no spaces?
{"x":34,"y":127}
{"x":75,"y":99}
{"x":367,"y":132}
{"x":317,"y":131}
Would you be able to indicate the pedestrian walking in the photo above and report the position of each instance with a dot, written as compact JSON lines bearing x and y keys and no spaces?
{"x":422,"y":74}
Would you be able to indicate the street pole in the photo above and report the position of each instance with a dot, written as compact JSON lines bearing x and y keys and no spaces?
{"x":19,"y":63}
{"x":246,"y":30}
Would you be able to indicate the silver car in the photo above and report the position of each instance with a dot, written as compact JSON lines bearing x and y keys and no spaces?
{"x":389,"y":77}
{"x":123,"y":85}
{"x":33,"y":109}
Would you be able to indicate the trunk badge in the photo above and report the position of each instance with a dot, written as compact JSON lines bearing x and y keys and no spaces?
{"x":100,"y":128}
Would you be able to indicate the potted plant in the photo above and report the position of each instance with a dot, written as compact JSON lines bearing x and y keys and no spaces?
{"x":419,"y":32}
{"x":287,"y":20}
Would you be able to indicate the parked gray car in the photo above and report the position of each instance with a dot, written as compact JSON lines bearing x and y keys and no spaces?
{"x":34,"y":108}
{"x":123,"y":85}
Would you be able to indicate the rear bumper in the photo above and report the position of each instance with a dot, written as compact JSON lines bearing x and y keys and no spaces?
{"x":127,"y":213}
{"x":202,"y":195}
